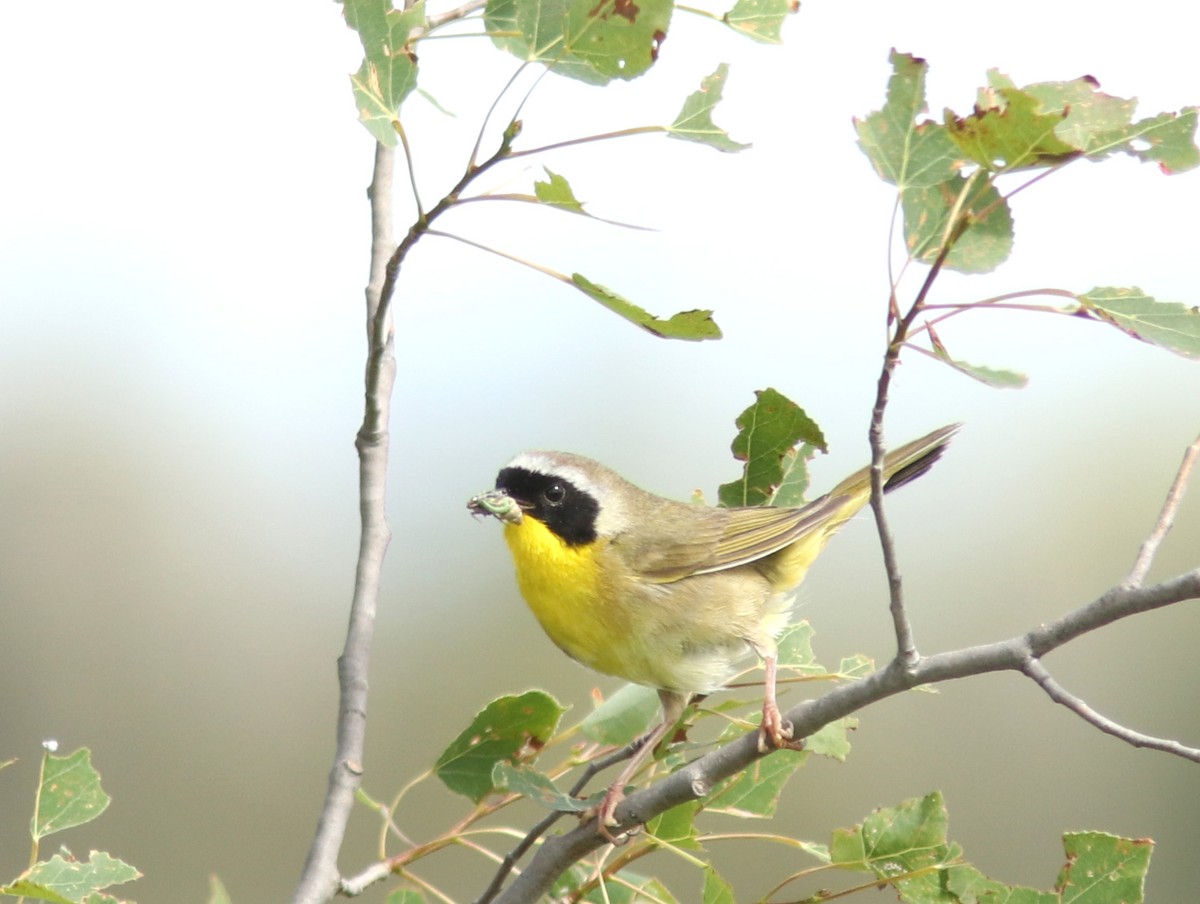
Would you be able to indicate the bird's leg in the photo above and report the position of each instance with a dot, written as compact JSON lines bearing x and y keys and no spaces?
{"x":775,"y":731}
{"x":672,"y":707}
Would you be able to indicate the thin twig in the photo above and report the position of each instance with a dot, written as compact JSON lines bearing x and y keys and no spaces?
{"x":534,"y":199}
{"x":571,"y":142}
{"x":906,"y":648}
{"x":488,"y":116}
{"x":1166,"y":518}
{"x":412,"y":171}
{"x":1056,"y":692}
{"x":546,"y":271}
{"x":510,"y":859}
{"x":461,"y":12}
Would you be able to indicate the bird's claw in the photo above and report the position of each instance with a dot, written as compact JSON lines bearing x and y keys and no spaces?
{"x":605,"y":819}
{"x":775,"y":732}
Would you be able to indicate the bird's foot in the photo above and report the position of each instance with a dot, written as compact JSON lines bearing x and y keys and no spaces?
{"x":775,"y":732}
{"x":605,"y":819}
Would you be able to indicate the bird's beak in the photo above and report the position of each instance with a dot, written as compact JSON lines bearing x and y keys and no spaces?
{"x":497,"y":503}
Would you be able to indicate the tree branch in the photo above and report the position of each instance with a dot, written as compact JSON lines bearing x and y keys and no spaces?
{"x":697,"y":778}
{"x":320,"y":879}
{"x":1056,"y":692}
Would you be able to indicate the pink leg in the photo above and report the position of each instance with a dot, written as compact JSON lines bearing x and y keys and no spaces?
{"x":775,"y":731}
{"x":672,"y":705}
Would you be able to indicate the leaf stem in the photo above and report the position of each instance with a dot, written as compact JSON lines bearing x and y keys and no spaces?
{"x":571,"y":142}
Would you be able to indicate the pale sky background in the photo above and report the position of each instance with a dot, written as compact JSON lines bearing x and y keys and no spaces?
{"x":183,"y":244}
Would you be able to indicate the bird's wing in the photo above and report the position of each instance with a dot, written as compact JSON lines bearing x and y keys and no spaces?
{"x":731,"y":537}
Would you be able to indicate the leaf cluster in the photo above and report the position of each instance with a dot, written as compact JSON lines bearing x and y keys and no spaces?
{"x":589,"y":41}
{"x":955,"y":180}
{"x":515,"y":748}
{"x":68,"y":795}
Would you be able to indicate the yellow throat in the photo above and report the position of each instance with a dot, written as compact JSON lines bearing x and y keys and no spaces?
{"x":562,"y":585}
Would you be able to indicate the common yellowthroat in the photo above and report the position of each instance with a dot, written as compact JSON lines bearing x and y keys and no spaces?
{"x":668,"y":594}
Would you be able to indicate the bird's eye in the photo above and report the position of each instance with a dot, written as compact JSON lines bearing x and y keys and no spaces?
{"x":554,"y":494}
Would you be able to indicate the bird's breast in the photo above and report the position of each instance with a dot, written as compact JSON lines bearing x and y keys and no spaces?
{"x":564,"y":586}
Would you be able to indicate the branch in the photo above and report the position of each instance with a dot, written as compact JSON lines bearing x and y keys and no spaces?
{"x":451,"y":15}
{"x":1056,"y":692}
{"x":1166,"y":517}
{"x":320,"y":879}
{"x":697,"y":778}
{"x":906,"y":648}
{"x":510,"y":859}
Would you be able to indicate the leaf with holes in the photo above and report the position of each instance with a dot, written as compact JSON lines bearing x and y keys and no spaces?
{"x":982,"y":245}
{"x":389,"y":70}
{"x":509,"y":729}
{"x":768,"y":430}
{"x":594,"y":41}
{"x":904,"y":151}
{"x":70,"y":794}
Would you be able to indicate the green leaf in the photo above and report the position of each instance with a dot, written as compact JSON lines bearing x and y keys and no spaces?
{"x":855,"y":667}
{"x":630,"y":888}
{"x":690,"y":325}
{"x":1014,"y":133}
{"x":592,"y":41}
{"x":905,"y":152}
{"x":406,"y":895}
{"x":894,"y":841}
{"x":695,"y":122}
{"x":794,"y":649}
{"x":23,"y":888}
{"x":983,"y":245}
{"x":389,"y":71}
{"x":761,"y":20}
{"x":832,"y":740}
{"x":557,"y":193}
{"x":998,"y":379}
{"x":1169,"y":139}
{"x":65,"y":880}
{"x":793,"y":486}
{"x":1103,"y":868}
{"x":969,"y":885}
{"x":677,"y":826}
{"x":616,"y":38}
{"x":512,"y":728}
{"x":1090,"y":118}
{"x":716,"y":889}
{"x":538,"y":787}
{"x":1100,"y":124}
{"x":1167,"y":324}
{"x":625,"y":715}
{"x":755,"y":791}
{"x":767,"y":432}
{"x":216,"y":891}
{"x":70,"y":794}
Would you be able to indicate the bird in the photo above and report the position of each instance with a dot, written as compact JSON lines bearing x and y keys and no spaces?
{"x":666,"y":594}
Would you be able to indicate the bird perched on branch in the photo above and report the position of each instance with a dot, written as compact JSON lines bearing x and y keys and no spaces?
{"x":668,"y":594}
